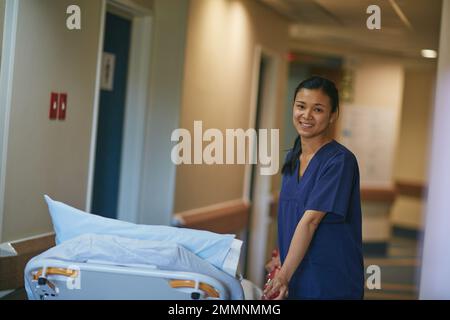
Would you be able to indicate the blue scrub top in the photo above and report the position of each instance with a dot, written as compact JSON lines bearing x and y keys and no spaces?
{"x":333,"y":266}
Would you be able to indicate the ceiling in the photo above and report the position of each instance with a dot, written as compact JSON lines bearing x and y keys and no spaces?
{"x":407,"y":26}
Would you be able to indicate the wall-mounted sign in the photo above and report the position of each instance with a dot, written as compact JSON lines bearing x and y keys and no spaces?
{"x":107,"y":75}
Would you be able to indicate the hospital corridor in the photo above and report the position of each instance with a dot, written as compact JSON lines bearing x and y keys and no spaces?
{"x":147,"y":149}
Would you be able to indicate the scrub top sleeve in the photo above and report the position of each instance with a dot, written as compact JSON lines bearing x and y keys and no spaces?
{"x":332,"y":190}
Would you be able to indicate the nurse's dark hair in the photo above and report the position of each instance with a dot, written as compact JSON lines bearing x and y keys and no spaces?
{"x":329,"y":88}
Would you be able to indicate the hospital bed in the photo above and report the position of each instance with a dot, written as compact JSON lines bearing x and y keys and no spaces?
{"x":80,"y":269}
{"x":55,"y":280}
{"x":101,"y":258}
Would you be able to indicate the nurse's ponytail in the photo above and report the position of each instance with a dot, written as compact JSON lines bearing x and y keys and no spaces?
{"x":329,"y":88}
{"x":292,"y":158}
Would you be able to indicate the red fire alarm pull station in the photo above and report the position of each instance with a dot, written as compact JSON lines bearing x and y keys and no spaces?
{"x":53,"y":112}
{"x":62,"y":106}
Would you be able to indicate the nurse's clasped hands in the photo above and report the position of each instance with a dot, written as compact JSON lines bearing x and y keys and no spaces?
{"x":276,"y":287}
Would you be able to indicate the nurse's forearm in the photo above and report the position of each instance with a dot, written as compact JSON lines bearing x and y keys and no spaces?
{"x":299,"y":245}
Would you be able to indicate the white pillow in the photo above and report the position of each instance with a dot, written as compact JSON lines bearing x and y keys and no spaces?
{"x":69,"y":223}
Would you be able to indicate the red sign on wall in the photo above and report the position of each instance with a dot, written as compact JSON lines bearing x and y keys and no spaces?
{"x":62,"y":106}
{"x":53,"y":112}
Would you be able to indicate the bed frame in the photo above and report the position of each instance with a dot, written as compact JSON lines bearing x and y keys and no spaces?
{"x":48,"y":279}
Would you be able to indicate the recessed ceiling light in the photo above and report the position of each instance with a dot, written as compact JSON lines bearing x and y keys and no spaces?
{"x":428,"y":53}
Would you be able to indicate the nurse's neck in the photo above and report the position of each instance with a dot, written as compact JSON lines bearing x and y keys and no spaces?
{"x":311,"y":145}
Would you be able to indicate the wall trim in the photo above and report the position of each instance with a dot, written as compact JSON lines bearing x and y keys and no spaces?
{"x":35,"y":237}
{"x":252,"y":119}
{"x":6,"y":86}
{"x":378,"y":194}
{"x":262,"y":197}
{"x":135,"y":115}
{"x":90,"y":182}
{"x":410,"y":189}
{"x":202,"y":210}
{"x":226,"y":217}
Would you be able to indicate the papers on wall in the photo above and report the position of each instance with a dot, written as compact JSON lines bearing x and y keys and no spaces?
{"x":371,"y":134}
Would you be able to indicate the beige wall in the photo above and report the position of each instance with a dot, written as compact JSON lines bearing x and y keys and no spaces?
{"x":378,"y":83}
{"x":413,"y":148}
{"x":221,"y":41}
{"x":412,"y":151}
{"x":46,"y":156}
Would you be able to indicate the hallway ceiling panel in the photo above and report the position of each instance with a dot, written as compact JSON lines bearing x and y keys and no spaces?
{"x":407,"y":26}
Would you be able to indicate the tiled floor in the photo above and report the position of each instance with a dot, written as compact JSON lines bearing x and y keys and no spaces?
{"x":400,"y":270}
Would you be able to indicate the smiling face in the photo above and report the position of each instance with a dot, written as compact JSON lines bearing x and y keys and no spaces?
{"x":312,"y":114}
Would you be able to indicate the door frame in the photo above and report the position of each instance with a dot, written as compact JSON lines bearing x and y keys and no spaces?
{"x":260,"y":208}
{"x":138,"y":80}
{"x":7,"y":55}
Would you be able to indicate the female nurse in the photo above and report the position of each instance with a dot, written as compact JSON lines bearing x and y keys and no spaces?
{"x":319,"y":214}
